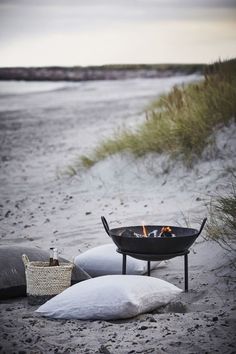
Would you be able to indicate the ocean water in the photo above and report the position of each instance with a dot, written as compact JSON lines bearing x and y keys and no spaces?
{"x":94,"y":91}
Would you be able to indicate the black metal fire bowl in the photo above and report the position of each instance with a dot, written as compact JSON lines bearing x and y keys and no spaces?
{"x":184,"y":239}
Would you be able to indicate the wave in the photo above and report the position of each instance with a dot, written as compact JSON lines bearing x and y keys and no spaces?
{"x":14,"y":88}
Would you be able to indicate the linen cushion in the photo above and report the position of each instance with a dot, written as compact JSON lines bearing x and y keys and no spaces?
{"x":104,"y":260}
{"x":110,"y":297}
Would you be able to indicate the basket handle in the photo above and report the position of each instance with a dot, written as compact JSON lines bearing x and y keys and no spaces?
{"x":25,"y":260}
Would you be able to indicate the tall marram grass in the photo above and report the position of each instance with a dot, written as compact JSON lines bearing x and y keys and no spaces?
{"x":180,"y":123}
{"x":221,"y":226}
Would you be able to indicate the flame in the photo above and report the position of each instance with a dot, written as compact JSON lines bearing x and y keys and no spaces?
{"x":145,"y":234}
{"x":166,"y":229}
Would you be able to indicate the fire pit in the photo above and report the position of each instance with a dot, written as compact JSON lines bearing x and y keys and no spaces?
{"x":154,"y":242}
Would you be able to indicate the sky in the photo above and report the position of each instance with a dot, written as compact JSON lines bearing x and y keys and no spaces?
{"x":98,"y":32}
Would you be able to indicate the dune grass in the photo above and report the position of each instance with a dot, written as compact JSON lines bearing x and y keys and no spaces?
{"x":180,"y":123}
{"x":221,"y":226}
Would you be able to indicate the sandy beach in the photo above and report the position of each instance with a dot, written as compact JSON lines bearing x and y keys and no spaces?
{"x":43,"y":128}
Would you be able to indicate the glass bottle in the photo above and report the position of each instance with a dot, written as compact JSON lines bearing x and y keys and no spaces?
{"x":51,"y":256}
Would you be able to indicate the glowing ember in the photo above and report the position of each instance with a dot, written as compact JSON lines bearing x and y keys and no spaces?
{"x":166,"y":231}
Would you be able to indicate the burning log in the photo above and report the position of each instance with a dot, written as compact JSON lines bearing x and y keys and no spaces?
{"x":153,"y":234}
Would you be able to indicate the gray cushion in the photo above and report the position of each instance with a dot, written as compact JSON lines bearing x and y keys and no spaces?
{"x":12,"y":270}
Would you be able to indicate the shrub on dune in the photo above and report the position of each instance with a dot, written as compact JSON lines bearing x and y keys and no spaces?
{"x":180,"y":123}
{"x":222,"y":221}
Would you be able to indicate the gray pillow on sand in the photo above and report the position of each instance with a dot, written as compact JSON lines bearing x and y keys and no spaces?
{"x":104,"y":260}
{"x":110,"y":297}
{"x":12,"y":270}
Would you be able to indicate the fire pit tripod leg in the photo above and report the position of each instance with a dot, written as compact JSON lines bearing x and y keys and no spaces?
{"x":124,"y":264}
{"x":149,"y":268}
{"x":186,"y":272}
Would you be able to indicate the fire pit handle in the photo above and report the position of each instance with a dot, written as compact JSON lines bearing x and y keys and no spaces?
{"x":105,"y":224}
{"x":202,"y":226}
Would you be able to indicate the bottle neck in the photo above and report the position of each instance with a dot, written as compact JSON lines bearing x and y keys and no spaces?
{"x":55,"y":254}
{"x":55,"y":257}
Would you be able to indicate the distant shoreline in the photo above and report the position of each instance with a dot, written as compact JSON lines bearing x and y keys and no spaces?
{"x":106,"y":72}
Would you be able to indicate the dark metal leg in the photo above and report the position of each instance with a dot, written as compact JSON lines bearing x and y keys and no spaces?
{"x":186,"y":272}
{"x":148,"y":268}
{"x":124,"y":264}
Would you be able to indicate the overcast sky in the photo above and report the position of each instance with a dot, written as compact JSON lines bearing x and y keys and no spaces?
{"x":96,"y":32}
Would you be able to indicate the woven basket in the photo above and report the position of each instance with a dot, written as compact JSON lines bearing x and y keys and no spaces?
{"x":43,"y":280}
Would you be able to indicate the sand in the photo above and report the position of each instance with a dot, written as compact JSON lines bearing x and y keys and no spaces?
{"x":41,"y":133}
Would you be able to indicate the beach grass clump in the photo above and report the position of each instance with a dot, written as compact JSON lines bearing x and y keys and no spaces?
{"x":182,"y":122}
{"x":222,"y":221}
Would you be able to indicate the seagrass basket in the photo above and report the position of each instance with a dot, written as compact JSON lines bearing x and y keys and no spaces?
{"x":43,"y":282}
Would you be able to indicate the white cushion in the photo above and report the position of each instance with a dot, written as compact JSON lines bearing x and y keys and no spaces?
{"x":104,"y":260}
{"x":110,"y":297}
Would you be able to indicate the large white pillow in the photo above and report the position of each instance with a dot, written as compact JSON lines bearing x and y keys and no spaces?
{"x":110,"y":297}
{"x":104,"y":260}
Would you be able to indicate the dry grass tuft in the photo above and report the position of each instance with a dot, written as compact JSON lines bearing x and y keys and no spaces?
{"x":221,"y":226}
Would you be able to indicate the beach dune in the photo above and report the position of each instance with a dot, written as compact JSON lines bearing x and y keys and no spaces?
{"x":44,"y":127}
